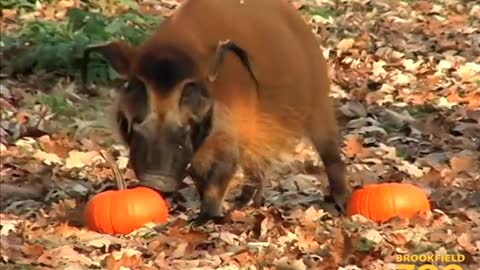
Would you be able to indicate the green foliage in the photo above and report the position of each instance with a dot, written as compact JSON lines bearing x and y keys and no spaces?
{"x":19,"y":4}
{"x":18,"y":266}
{"x":58,"y":46}
{"x":422,"y":111}
{"x":109,"y":6}
{"x":322,"y":11}
{"x":404,"y":153}
{"x":57,"y":103}
{"x":365,"y":245}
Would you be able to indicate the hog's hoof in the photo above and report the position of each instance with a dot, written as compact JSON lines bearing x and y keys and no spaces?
{"x":203,"y":219}
{"x":246,"y":195}
{"x":340,"y":200}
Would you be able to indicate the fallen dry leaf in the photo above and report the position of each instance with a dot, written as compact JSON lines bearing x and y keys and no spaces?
{"x":405,"y":83}
{"x":289,"y":264}
{"x":373,"y":235}
{"x":67,"y":254}
{"x":47,"y":158}
{"x":124,"y":262}
{"x":7,"y":226}
{"x":78,"y":159}
{"x":354,"y":147}
{"x":465,"y":161}
{"x":310,"y":217}
{"x":57,"y":146}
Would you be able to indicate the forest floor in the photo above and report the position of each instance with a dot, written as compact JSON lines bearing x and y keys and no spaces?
{"x":406,"y":80}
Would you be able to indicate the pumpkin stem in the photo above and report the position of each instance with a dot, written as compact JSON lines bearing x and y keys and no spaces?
{"x":121,"y":185}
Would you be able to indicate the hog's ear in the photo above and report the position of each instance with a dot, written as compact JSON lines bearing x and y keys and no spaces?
{"x":118,"y":54}
{"x":229,"y":46}
{"x":195,"y":102}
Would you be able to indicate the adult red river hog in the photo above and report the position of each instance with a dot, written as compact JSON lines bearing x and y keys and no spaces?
{"x":223,"y":84}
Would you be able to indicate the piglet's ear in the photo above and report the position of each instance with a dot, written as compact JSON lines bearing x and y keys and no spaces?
{"x":195,"y":102}
{"x":118,"y":54}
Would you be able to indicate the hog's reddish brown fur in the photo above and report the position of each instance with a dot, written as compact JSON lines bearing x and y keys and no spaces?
{"x":251,"y":124}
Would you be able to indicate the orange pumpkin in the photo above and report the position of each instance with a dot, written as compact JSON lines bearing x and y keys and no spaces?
{"x":380,"y":202}
{"x":122,"y":211}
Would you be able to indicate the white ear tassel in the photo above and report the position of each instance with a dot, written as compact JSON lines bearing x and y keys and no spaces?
{"x":129,"y":128}
{"x":129,"y":123}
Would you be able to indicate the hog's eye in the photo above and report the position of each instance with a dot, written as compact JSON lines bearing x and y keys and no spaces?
{"x":136,"y":120}
{"x":134,"y":85}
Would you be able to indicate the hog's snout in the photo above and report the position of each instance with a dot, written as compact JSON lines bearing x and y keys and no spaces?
{"x":159,"y":182}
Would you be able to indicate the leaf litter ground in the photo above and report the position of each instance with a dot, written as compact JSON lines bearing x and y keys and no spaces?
{"x":406,"y":80}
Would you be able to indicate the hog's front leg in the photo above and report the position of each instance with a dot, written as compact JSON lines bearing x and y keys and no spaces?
{"x":212,"y":170}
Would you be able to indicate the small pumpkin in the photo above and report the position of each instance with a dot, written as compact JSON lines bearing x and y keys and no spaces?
{"x":124,"y":210}
{"x":381,"y":202}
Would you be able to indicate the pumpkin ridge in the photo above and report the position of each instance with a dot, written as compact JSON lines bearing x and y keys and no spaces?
{"x":393,"y":204}
{"x":109,"y":213}
{"x":108,"y":217}
{"x":368,"y":202}
{"x":132,"y":211}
